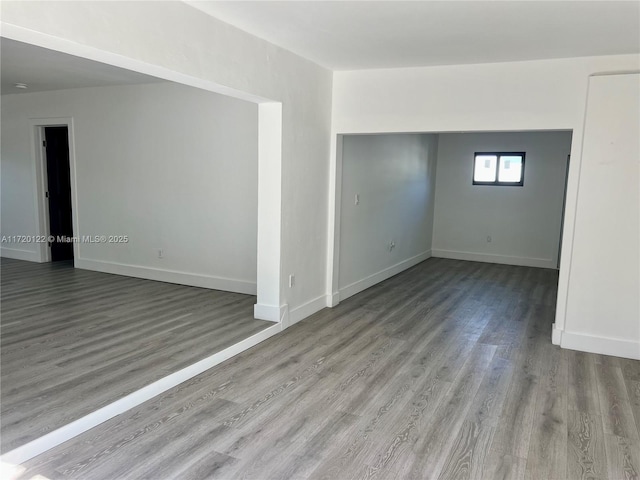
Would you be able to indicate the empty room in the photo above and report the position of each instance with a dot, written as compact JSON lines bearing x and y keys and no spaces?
{"x":304,"y":240}
{"x":87,"y":315}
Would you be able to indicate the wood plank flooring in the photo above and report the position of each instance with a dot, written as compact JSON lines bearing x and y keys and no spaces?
{"x":73,"y":340}
{"x":445,"y":371}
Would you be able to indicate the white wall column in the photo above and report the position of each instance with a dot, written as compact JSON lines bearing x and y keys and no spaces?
{"x":603,"y":312}
{"x":269,"y":211}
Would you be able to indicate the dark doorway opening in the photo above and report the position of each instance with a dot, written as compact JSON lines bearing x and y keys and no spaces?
{"x":59,"y":193}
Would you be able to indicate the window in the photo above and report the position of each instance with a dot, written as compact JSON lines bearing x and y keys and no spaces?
{"x":499,"y":168}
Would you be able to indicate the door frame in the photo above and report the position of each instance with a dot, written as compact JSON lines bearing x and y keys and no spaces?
{"x":564,"y":206}
{"x":38,"y":153}
{"x":335,"y":195}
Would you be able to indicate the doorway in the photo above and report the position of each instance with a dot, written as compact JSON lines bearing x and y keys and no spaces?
{"x":58,"y":192}
{"x":393,"y":211}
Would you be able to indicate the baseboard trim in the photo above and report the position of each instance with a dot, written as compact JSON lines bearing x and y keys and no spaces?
{"x":19,"y":254}
{"x":169,"y":276}
{"x":305,"y":310}
{"x":77,"y":427}
{"x":333,"y":299}
{"x":615,"y":347}
{"x":371,"y":280}
{"x":271,"y":313}
{"x":493,"y":258}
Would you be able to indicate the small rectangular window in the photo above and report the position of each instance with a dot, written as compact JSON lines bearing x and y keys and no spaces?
{"x":498,"y":168}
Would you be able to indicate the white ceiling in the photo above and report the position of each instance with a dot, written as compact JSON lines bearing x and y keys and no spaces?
{"x":346,"y":35}
{"x":42,"y":69}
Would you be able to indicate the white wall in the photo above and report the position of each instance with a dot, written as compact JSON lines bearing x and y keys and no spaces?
{"x":514,"y":96}
{"x":523,"y":222}
{"x":174,"y":40}
{"x":517,"y":96}
{"x":394,"y":178}
{"x":603,"y":305}
{"x":172,"y":167}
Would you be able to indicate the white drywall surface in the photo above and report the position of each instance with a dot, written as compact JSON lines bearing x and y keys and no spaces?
{"x":604,"y":287}
{"x":169,"y":166}
{"x":393,"y":177}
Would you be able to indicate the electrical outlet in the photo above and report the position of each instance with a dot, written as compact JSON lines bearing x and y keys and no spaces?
{"x":292,"y":280}
{"x":356,"y":200}
{"x":488,"y":238}
{"x":392,"y":245}
{"x":160,"y":253}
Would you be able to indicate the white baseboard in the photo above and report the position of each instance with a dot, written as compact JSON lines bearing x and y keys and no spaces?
{"x":18,"y":254}
{"x":493,"y":258}
{"x":170,"y":276}
{"x":333,"y":299}
{"x":271,"y":313}
{"x":305,"y":310}
{"x":371,"y":280}
{"x":615,"y":347}
{"x":77,"y":427}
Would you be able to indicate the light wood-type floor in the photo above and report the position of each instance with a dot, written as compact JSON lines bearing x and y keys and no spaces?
{"x":73,"y":340}
{"x":445,"y":371}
